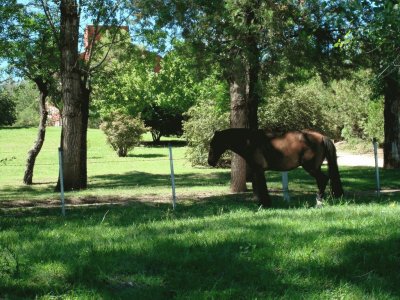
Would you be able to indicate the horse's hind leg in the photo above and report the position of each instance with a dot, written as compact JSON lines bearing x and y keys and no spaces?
{"x":321,"y":178}
{"x":260,"y":188}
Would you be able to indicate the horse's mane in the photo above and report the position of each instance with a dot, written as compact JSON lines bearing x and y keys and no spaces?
{"x":274,"y":134}
{"x":279,"y":133}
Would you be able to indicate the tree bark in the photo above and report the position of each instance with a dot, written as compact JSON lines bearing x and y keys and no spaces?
{"x":71,"y":94}
{"x":85,"y":122}
{"x":238,"y":90}
{"x":391,"y":150}
{"x":254,"y":68}
{"x":34,"y":152}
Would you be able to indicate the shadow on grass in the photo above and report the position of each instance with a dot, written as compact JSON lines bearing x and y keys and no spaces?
{"x":14,"y":127}
{"x":163,"y":144}
{"x":301,"y":185}
{"x":143,"y":179}
{"x":141,"y":251}
{"x":150,"y":155}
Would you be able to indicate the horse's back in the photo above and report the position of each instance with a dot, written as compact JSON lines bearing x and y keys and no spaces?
{"x":294,"y":148}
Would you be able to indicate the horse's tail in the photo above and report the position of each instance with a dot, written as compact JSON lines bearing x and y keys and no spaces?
{"x":333,"y":169}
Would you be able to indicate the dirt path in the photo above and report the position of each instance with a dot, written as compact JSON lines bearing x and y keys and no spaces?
{"x":356,"y":160}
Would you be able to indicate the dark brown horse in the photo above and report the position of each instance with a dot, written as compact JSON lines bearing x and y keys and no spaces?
{"x":263,"y":151}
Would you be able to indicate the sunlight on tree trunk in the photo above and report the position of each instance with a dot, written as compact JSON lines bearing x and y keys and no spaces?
{"x":34,"y":152}
{"x":71,"y":94}
{"x":238,"y":119}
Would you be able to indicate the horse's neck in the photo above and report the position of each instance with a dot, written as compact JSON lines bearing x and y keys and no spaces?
{"x":236,"y":142}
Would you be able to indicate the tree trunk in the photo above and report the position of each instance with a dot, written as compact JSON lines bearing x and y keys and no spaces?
{"x":71,"y":95}
{"x":254,"y":68}
{"x":239,"y":119}
{"x":34,"y":152}
{"x":391,"y":150}
{"x":85,"y":123}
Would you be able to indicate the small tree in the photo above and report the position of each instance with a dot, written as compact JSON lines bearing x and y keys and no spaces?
{"x":123,"y":132}
{"x":162,"y":122}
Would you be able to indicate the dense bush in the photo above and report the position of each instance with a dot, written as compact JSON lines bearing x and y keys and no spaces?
{"x":298,"y":107}
{"x":25,"y":96}
{"x":7,"y":110}
{"x":203,"y":121}
{"x":342,"y":109}
{"x":123,"y":132}
{"x":210,"y":113}
{"x":373,"y":124}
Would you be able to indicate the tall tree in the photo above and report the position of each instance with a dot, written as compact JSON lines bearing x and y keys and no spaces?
{"x":28,"y":46}
{"x":71,"y":87}
{"x":373,"y":38}
{"x":250,"y":40}
{"x":227,"y":32}
{"x":77,"y":70}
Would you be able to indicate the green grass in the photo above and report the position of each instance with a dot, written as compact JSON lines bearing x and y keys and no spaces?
{"x":216,"y":249}
{"x":145,"y":172}
{"x":221,"y":247}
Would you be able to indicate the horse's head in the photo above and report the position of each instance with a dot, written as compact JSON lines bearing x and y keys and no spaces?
{"x":216,"y":149}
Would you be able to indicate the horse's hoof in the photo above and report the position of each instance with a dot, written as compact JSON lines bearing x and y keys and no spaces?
{"x":319,"y":203}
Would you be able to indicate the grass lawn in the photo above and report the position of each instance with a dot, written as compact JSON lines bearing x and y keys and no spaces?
{"x":221,"y":247}
{"x":145,"y":172}
{"x":216,"y":249}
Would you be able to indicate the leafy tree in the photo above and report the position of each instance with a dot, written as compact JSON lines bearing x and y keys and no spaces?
{"x":321,"y":106}
{"x":131,"y":88}
{"x":76,"y":71}
{"x":300,"y":106}
{"x":162,"y":122}
{"x":23,"y":94}
{"x":123,"y":132}
{"x":253,"y":40}
{"x":160,"y":96}
{"x":27,"y":44}
{"x":210,"y":113}
{"x":374,"y":37}
{"x":7,"y":110}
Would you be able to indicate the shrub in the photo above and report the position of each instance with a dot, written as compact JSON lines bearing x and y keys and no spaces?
{"x":373,"y":125}
{"x":204,"y":120}
{"x":7,"y":110}
{"x":123,"y":132}
{"x":298,"y":107}
{"x":342,"y":109}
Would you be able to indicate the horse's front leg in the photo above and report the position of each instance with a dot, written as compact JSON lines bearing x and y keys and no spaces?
{"x":260,"y":188}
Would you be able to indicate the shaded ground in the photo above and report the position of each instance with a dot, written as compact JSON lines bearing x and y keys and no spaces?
{"x":362,"y":186}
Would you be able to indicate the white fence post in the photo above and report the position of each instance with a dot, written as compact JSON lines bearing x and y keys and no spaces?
{"x":171,"y":164}
{"x":285,"y":186}
{"x":378,"y":183}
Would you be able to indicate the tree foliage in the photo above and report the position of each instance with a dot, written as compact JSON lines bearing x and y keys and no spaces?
{"x":160,"y":89}
{"x":374,"y":36}
{"x":7,"y":110}
{"x":210,"y":113}
{"x":25,"y":96}
{"x":343,"y":109}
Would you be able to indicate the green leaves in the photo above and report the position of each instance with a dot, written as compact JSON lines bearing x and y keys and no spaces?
{"x":7,"y":110}
{"x":123,"y":132}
